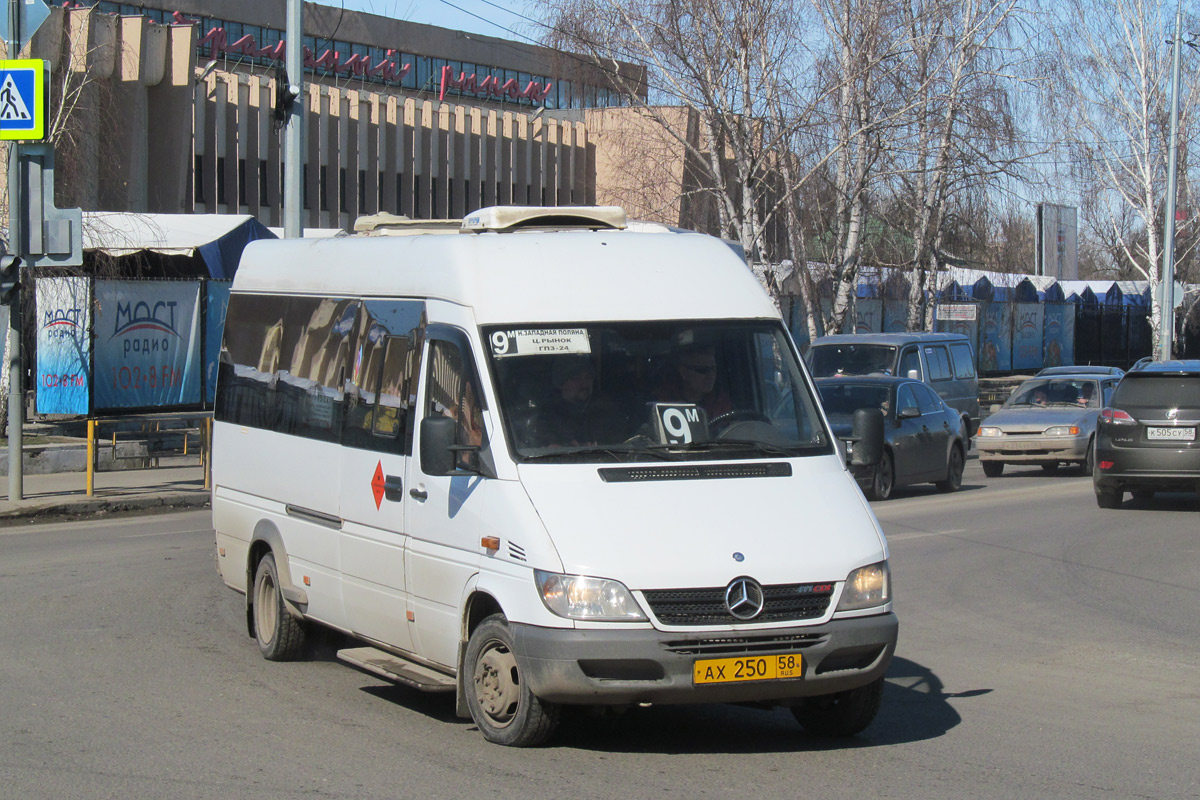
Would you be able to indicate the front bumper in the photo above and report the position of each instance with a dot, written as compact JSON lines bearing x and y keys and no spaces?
{"x":599,"y":667}
{"x":1032,"y":449}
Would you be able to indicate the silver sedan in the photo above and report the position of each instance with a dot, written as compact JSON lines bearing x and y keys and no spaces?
{"x":1047,"y":421}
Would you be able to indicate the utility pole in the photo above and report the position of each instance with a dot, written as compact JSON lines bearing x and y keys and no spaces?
{"x":16,"y":401}
{"x":1166,"y":295}
{"x":293,"y":138}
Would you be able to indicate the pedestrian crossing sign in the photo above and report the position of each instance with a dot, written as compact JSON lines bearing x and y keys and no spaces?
{"x":23,"y":99}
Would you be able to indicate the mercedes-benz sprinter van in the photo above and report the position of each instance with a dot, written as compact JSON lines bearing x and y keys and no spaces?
{"x":547,"y":459}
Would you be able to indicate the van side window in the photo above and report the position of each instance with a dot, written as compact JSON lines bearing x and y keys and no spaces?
{"x":249,"y":358}
{"x":939,"y":363}
{"x":315,"y":352}
{"x":910,"y":359}
{"x":383,"y":381}
{"x":453,"y":391}
{"x":964,"y":362}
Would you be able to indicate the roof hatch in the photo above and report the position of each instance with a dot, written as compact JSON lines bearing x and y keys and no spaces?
{"x":511,"y":218}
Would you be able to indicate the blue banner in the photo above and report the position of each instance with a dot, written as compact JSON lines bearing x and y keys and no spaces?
{"x":1027,"y":336}
{"x":148,"y":349}
{"x":63,"y":354}
{"x":214,"y":326}
{"x":995,"y":344}
{"x":1060,"y":334}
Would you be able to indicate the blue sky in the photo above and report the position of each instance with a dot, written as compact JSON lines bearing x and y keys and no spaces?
{"x":491,"y":17}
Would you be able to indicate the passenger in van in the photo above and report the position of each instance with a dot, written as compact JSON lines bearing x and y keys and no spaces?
{"x":693,"y":379}
{"x":572,"y":416}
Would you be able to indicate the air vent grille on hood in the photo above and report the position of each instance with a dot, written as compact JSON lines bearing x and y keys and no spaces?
{"x":692,"y":472}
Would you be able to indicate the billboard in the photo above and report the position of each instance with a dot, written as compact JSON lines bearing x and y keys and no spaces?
{"x":1057,"y":242}
{"x":64,"y":362}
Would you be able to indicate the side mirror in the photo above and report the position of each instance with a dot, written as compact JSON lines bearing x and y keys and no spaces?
{"x":914,"y":375}
{"x":908,"y":412}
{"x":868,"y":437}
{"x":437,"y":439}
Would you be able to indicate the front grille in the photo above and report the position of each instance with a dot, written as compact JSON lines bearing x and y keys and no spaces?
{"x":743,"y":644}
{"x":781,"y":603}
{"x":693,"y":472}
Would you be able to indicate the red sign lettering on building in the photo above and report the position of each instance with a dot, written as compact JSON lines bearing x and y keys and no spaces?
{"x":491,"y":86}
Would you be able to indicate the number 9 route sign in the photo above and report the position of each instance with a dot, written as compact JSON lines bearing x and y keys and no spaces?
{"x":23,"y":99}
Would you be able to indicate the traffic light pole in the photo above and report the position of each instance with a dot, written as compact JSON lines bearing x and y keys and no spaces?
{"x":16,"y":402}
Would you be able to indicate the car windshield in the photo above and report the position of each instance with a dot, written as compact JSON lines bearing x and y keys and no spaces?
{"x":843,"y":399}
{"x":827,"y":360}
{"x":605,"y":392}
{"x":1061,"y":392}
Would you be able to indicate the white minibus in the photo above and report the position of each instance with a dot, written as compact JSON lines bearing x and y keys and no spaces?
{"x":548,"y":458}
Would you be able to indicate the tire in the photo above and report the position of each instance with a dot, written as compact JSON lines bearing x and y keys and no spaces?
{"x":280,"y":636}
{"x":842,"y":714}
{"x":954,"y":471}
{"x":1050,"y":469}
{"x":1089,"y":462}
{"x":1109,"y":498}
{"x":884,"y":480}
{"x":993,"y":469}
{"x":501,"y":704}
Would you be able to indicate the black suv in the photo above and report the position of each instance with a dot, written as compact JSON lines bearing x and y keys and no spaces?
{"x":1146,"y":438}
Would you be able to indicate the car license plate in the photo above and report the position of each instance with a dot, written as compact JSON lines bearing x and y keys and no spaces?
{"x":746,"y":668}
{"x":1171,"y":434}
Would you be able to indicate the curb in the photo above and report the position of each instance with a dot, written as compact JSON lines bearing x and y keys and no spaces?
{"x":38,"y":509}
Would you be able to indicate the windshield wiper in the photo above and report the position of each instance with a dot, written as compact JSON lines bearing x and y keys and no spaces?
{"x":619,"y":454}
{"x":733,"y":444}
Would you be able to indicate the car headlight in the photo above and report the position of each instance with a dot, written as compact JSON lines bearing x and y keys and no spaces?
{"x":867,"y":587}
{"x":988,"y":431}
{"x":583,"y":598}
{"x":1062,"y":430}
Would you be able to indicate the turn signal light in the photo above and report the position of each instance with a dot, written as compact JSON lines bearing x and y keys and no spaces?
{"x":490,"y":542}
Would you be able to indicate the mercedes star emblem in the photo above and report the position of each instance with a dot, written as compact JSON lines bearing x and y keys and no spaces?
{"x":744,"y":598}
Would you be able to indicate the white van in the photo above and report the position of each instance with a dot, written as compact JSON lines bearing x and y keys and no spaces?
{"x":547,"y":459}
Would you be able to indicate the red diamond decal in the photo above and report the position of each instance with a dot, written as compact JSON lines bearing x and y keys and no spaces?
{"x":377,"y":485}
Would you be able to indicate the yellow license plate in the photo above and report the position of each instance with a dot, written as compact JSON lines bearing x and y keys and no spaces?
{"x":746,"y":668}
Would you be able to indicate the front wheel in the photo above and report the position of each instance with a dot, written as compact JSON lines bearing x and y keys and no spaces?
{"x":885,"y":478}
{"x":993,"y":469}
{"x":280,"y":636}
{"x":501,"y":703}
{"x":843,"y":714}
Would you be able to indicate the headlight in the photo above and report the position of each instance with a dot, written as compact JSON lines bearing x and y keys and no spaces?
{"x":583,"y":598}
{"x":867,"y":587}
{"x":1062,"y":430}
{"x":988,"y":431}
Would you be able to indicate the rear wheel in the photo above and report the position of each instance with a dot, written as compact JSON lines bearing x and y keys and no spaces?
{"x":885,"y":478}
{"x":954,"y":471}
{"x":1109,"y":498}
{"x":993,"y":469}
{"x":500,"y":700}
{"x":842,"y":714}
{"x":280,"y":636}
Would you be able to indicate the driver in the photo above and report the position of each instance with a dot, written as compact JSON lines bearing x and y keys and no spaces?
{"x":693,"y":379}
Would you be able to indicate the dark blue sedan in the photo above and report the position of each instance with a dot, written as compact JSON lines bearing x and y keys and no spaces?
{"x":924,"y":440}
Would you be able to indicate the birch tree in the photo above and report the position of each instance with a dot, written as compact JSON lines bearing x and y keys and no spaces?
{"x":1110,"y":105}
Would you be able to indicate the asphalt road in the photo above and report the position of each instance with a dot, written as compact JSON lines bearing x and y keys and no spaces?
{"x":1048,"y":649}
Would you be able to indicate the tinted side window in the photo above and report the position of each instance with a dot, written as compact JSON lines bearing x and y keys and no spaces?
{"x":1107,"y":390}
{"x":249,"y":359}
{"x":315,"y":354}
{"x":964,"y":363}
{"x":383,"y":380}
{"x":939,"y":362}
{"x":927,"y":401}
{"x":910,"y":359}
{"x":905,"y":399}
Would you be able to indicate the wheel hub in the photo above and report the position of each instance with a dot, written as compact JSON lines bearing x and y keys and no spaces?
{"x":495,"y":688}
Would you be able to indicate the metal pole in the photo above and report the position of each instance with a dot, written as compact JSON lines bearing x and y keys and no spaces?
{"x":1166,"y":331}
{"x":16,"y":401}
{"x":293,"y":139}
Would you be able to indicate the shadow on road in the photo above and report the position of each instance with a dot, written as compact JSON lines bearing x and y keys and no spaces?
{"x":915,"y":707}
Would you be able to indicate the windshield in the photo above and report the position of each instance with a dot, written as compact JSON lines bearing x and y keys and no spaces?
{"x":1077,"y":392}
{"x":664,"y":390}
{"x":827,"y":360}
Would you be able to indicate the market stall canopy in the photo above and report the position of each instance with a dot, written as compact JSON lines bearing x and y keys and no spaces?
{"x":170,"y":245}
